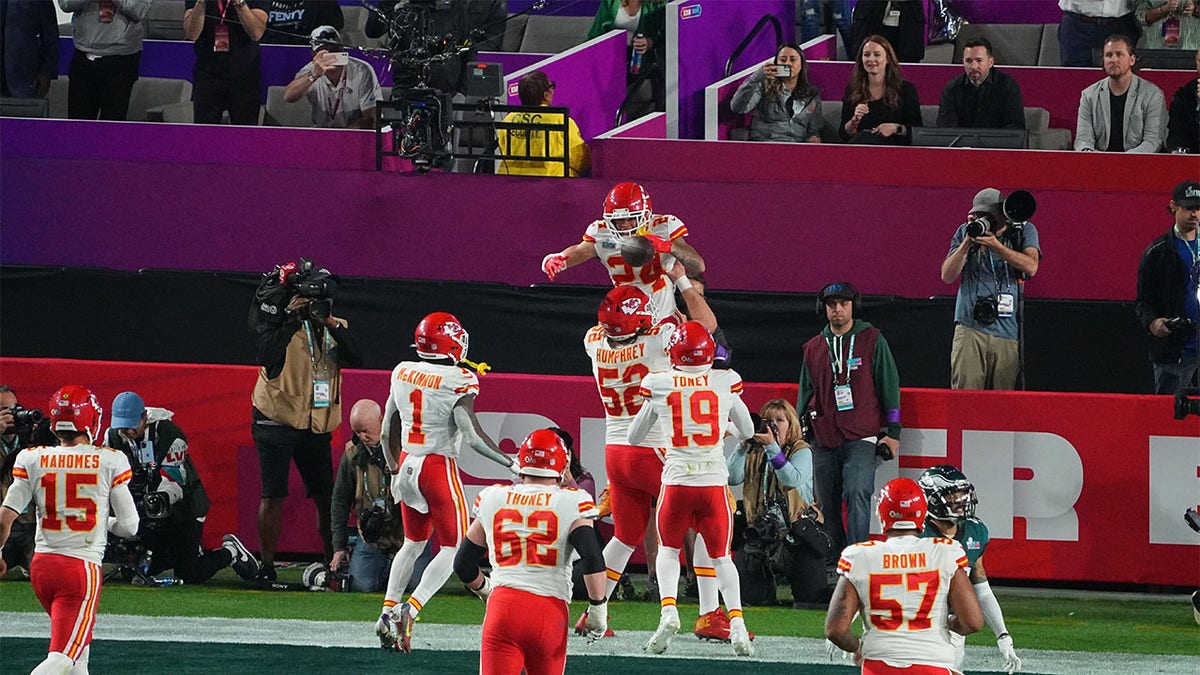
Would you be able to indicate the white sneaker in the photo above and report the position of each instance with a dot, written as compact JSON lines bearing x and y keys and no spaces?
{"x":739,"y":637}
{"x":668,"y":626}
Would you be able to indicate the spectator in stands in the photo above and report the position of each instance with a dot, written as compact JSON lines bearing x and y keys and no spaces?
{"x":900,"y":22}
{"x":1183,"y":127}
{"x":1087,"y":24}
{"x":535,"y":89}
{"x":1168,"y":24}
{"x":291,"y":22}
{"x":341,"y":96}
{"x":645,"y":21}
{"x":985,"y":350}
{"x":1166,"y":293}
{"x":814,"y":21}
{"x":787,"y":107}
{"x":108,"y":52}
{"x":29,"y":55}
{"x":457,"y":18}
{"x":227,"y":72}
{"x":1122,"y":112}
{"x":878,"y":107}
{"x":364,"y":486}
{"x":982,"y":97}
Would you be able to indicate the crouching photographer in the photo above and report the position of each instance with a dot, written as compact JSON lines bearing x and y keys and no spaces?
{"x":364,"y":485}
{"x":171,"y":502}
{"x":20,"y":428}
{"x":782,"y":535}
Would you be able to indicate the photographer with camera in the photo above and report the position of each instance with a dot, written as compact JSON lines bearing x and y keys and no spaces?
{"x":782,"y":528}
{"x":1168,"y":304}
{"x":364,"y":485}
{"x":19,"y":429}
{"x":170,"y":499}
{"x":297,"y":399}
{"x":786,"y":106}
{"x":993,"y":252}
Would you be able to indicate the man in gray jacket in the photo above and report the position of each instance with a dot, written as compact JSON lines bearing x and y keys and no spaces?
{"x":1122,"y":112}
{"x":108,"y":51}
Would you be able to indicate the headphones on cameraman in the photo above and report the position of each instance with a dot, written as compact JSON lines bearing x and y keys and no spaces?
{"x":838,"y":288}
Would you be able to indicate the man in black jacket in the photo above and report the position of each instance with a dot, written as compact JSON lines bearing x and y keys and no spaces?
{"x":982,"y":97}
{"x":1168,"y":303}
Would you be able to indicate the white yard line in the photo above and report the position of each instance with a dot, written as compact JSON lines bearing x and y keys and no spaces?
{"x":445,"y":637}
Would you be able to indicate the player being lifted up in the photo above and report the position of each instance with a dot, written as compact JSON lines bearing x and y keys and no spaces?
{"x":692,"y":402}
{"x":625,"y":346}
{"x":529,"y":531}
{"x":952,"y":501}
{"x":628,"y":212}
{"x":75,"y":486}
{"x":905,"y":588}
{"x":430,"y":410}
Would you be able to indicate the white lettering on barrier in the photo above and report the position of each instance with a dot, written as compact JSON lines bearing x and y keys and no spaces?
{"x":1174,"y":488}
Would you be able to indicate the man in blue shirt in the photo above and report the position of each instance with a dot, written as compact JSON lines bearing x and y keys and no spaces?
{"x":993,"y":256}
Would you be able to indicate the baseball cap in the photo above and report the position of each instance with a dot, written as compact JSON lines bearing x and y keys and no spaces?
{"x":987,"y":200}
{"x":127,"y":409}
{"x":325,"y":37}
{"x":1187,"y":194}
{"x":840,"y":290}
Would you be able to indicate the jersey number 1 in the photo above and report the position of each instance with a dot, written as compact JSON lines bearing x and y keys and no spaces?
{"x":415,"y":435}
{"x":74,"y":481}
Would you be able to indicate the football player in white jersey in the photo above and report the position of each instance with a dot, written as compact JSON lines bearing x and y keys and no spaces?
{"x":905,"y":588}
{"x":628,"y":212}
{"x":692,"y":403}
{"x":529,"y":531}
{"x":430,"y":412}
{"x":75,"y":486}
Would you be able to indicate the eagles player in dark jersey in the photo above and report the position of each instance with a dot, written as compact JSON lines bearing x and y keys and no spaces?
{"x":952,"y":503}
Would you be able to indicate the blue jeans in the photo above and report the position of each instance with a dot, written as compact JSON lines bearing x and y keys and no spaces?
{"x":1169,"y":378}
{"x":370,"y":566}
{"x":812,"y":20}
{"x":845,"y":472}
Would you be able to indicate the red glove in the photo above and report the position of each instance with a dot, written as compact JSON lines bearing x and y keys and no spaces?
{"x":660,"y":245}
{"x":554,"y":263}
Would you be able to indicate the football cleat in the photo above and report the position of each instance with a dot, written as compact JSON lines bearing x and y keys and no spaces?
{"x":385,"y":628}
{"x":244,"y":563}
{"x":404,"y":627}
{"x":668,"y":626}
{"x":739,"y":637}
{"x":582,"y":629}
{"x":714,"y":626}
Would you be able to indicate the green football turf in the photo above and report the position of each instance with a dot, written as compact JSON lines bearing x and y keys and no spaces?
{"x":1136,"y":626}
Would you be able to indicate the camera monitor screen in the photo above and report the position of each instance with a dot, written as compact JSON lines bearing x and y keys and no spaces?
{"x":961,"y":137}
{"x":485,"y":80}
{"x":24,"y":107}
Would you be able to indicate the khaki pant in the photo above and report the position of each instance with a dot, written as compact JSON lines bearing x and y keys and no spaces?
{"x":982,"y":361}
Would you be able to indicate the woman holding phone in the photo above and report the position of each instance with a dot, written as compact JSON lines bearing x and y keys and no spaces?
{"x":786,"y":106}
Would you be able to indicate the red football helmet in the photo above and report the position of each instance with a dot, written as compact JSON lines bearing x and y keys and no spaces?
{"x":624,"y":312}
{"x":74,"y":408}
{"x":692,"y":345}
{"x":543,"y":454}
{"x":628,"y":200}
{"x":902,"y":505}
{"x":441,"y":335}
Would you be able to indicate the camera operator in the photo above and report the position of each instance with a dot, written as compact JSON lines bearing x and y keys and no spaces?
{"x":1167,"y":303}
{"x":19,"y":429}
{"x":170,"y":498}
{"x":992,"y":255}
{"x":302,"y":349}
{"x":364,"y":484}
{"x":782,"y":532}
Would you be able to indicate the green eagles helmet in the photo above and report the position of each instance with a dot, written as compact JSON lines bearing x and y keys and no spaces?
{"x":950,"y":495}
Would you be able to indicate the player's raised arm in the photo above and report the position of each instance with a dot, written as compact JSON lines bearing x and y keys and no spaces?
{"x":645,"y":420}
{"x":739,"y":414}
{"x":468,"y":426}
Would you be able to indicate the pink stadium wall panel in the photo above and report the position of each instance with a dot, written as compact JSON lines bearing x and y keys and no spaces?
{"x":1045,"y":470}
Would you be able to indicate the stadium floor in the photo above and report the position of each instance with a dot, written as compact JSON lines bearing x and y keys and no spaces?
{"x":135,"y":644}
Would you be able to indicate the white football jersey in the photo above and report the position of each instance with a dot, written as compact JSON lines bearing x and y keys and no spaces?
{"x":903,"y":584}
{"x":70,"y":487}
{"x":425,"y":394}
{"x":651,"y":277}
{"x":619,"y":372}
{"x":527,"y":527}
{"x":692,"y":410}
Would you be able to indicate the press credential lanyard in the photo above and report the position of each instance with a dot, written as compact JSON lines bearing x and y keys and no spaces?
{"x":321,"y":389}
{"x":841,"y":392}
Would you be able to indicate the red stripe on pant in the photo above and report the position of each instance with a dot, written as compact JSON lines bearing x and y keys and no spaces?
{"x":69,"y":590}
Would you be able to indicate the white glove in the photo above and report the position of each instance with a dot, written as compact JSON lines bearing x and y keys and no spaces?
{"x":597,"y":620}
{"x":484,"y":590}
{"x":1012,"y":662}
